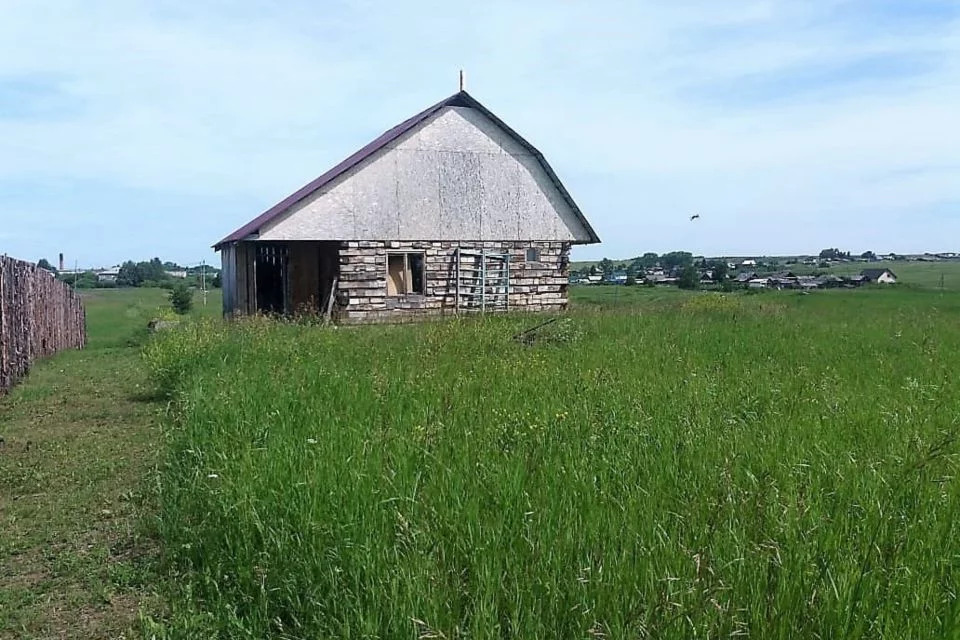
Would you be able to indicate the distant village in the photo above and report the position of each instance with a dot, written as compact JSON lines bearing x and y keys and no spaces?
{"x":682,"y":269}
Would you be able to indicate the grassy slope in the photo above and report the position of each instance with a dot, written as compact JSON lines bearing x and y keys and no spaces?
{"x":920,"y":274}
{"x":778,"y":464}
{"x":79,"y":437}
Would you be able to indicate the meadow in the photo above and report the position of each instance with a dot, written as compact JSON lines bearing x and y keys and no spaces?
{"x":670,"y":465}
{"x":78,"y":452}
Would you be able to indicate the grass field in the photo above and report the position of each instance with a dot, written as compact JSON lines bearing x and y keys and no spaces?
{"x":671,"y":465}
{"x":78,"y":444}
{"x":928,"y":275}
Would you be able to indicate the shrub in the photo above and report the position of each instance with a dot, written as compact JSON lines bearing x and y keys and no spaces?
{"x":181,"y":299}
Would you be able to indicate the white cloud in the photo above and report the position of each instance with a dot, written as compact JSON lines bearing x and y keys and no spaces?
{"x":762,"y":115}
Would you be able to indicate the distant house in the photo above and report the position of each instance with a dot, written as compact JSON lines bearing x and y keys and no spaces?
{"x":594,"y":279}
{"x":746,"y":276}
{"x":758,"y":283}
{"x":829,"y":281}
{"x":108,"y":275}
{"x":881,"y":276}
{"x":177,"y":273}
{"x":782,"y":283}
{"x":749,"y":263}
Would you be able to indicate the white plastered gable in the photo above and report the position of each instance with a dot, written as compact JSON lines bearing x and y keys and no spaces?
{"x":457,"y":176}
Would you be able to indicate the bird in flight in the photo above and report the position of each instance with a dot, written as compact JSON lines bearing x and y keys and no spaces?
{"x":695,"y":216}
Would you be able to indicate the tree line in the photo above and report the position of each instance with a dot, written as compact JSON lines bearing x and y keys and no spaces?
{"x":146,"y":273}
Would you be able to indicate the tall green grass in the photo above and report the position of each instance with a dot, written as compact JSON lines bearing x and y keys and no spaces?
{"x":777,"y":467}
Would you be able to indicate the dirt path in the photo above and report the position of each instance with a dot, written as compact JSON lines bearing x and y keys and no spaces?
{"x":79,"y":440}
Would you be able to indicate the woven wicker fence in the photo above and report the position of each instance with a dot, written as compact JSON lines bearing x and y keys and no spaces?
{"x":39,"y":315}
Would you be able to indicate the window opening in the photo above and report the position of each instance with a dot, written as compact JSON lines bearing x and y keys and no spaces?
{"x":405,"y":274}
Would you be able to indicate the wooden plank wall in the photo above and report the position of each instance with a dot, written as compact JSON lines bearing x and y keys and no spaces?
{"x":39,"y":315}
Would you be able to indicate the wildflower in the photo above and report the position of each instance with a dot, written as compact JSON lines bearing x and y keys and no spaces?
{"x":311,"y":441}
{"x":212,"y":476}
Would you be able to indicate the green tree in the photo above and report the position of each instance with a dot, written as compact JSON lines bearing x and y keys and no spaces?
{"x":606,"y":265}
{"x":720,"y":270}
{"x":647,"y":260}
{"x":676,"y":259}
{"x":181,"y":299}
{"x":131,"y":275}
{"x":43,"y":264}
{"x":153,"y":270}
{"x":833,"y":254}
{"x":689,"y":278}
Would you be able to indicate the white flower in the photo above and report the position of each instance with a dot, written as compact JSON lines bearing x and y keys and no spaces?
{"x":311,"y":441}
{"x":213,"y":475}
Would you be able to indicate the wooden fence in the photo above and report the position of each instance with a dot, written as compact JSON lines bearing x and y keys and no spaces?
{"x":39,"y":315}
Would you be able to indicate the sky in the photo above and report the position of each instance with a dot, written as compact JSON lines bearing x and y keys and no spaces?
{"x":133,"y":129}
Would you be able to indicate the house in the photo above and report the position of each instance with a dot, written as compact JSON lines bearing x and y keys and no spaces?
{"x":450,"y":211}
{"x":758,"y":283}
{"x":882,"y":276}
{"x":108,"y":275}
{"x":782,"y":283}
{"x":829,"y":281}
{"x":594,"y":279}
{"x":749,"y":263}
{"x":177,"y":273}
{"x":746,"y":276}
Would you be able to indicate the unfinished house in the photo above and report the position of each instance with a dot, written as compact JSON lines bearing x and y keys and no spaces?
{"x":449,"y":212}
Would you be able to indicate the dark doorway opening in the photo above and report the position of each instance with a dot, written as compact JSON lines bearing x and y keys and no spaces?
{"x":271,"y":270}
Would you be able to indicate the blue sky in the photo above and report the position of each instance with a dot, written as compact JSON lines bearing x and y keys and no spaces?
{"x":136,"y":129}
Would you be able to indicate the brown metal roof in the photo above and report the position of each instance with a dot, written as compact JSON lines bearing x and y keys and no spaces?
{"x":460,"y":99}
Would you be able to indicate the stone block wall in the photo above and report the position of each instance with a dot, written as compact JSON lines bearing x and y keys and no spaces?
{"x":362,"y":289}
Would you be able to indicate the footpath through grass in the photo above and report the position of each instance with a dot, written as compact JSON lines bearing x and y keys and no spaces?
{"x":79,"y":441}
{"x":777,"y":466}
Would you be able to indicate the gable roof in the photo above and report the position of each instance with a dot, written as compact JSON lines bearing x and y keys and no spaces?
{"x":873,"y":274}
{"x":459,"y":99}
